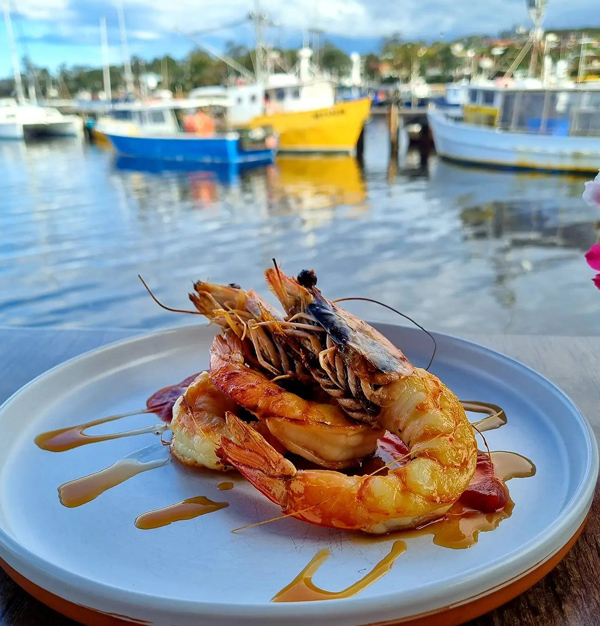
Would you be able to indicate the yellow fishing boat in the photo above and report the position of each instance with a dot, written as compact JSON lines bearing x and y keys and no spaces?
{"x":331,"y":129}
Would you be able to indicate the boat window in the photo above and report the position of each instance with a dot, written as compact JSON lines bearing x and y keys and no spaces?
{"x":530,"y":106}
{"x":157,"y":117}
{"x":122,"y":115}
{"x":472,"y":96}
{"x":137,"y":117}
{"x":280,"y":94}
{"x":488,"y":98}
{"x":585,"y":117}
{"x":295,"y":94}
{"x":508,"y":107}
{"x":253,"y":98}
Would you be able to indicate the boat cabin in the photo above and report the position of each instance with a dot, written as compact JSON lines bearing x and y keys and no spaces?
{"x":163,"y":117}
{"x":281,"y":93}
{"x":561,"y":111}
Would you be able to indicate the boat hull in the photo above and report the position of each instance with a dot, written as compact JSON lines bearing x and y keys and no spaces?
{"x":189,"y":149}
{"x":68,"y":128}
{"x":333,"y":129}
{"x":19,"y":130}
{"x":11,"y":131}
{"x":480,"y":145}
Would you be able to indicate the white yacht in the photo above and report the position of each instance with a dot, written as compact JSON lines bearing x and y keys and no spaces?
{"x":18,"y":121}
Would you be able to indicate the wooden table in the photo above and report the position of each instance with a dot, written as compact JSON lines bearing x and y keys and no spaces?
{"x":569,"y":595}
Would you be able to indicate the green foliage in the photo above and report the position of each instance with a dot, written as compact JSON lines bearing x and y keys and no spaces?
{"x":334,"y":60}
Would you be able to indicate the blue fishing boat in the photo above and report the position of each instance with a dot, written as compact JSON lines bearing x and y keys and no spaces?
{"x":229,"y":148}
{"x":192,"y":130}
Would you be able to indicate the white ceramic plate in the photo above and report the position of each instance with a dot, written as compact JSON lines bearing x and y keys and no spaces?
{"x":198,"y":572}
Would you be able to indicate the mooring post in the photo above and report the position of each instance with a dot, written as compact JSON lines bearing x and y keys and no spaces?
{"x":393,"y":128}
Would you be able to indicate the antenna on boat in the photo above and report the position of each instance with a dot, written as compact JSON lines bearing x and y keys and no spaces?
{"x":13,"y":53}
{"x":105,"y":61}
{"x":261,"y":56}
{"x":125,"y":48}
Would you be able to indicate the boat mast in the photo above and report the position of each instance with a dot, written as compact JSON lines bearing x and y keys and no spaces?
{"x":105,"y":61}
{"x":536,"y":11}
{"x":13,"y":53}
{"x":259,"y":20}
{"x":125,"y":48}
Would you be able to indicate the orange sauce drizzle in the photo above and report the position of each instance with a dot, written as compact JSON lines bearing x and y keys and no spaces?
{"x":74,"y":436}
{"x":303,"y":589}
{"x":225,"y":486}
{"x":186,"y":510}
{"x":88,"y":488}
{"x":458,"y":529}
{"x":496,"y":415}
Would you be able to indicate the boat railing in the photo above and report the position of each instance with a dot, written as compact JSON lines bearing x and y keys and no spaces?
{"x":550,"y":112}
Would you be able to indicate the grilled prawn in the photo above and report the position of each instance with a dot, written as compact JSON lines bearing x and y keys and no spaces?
{"x":374,"y":382}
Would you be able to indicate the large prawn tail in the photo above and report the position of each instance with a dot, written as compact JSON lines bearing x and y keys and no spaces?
{"x":250,"y":453}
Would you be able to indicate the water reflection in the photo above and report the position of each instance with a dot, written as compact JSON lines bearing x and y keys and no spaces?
{"x":462,"y":250}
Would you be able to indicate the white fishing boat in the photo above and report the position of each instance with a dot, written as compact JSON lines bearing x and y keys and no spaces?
{"x":553,"y":129}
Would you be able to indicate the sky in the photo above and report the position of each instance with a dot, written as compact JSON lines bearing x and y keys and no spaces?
{"x":52,"y":32}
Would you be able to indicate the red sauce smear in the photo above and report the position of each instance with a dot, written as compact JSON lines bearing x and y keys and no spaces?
{"x":485,"y":493}
{"x":161,"y":402}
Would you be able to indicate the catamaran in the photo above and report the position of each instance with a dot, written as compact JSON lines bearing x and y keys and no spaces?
{"x":20,"y":119}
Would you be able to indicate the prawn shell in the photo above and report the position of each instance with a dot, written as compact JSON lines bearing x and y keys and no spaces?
{"x":365,"y":351}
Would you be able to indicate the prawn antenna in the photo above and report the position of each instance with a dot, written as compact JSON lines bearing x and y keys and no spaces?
{"x":410,"y":319}
{"x":164,"y":306}
{"x":484,"y":441}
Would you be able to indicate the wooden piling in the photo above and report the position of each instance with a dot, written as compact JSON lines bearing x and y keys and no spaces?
{"x":393,"y":128}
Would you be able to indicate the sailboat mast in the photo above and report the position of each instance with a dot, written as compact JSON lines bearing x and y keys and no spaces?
{"x":125,"y":47}
{"x":105,"y":61}
{"x":13,"y":53}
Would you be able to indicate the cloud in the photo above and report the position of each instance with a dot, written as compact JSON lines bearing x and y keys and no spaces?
{"x":75,"y":22}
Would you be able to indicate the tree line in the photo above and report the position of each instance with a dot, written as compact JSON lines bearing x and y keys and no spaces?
{"x":397,"y":59}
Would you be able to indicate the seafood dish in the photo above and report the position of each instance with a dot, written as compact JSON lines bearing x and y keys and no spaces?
{"x":299,"y":399}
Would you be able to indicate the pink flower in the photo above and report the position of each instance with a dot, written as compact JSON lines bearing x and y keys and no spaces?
{"x":591,"y":193}
{"x":592,"y":256}
{"x":596,"y":281}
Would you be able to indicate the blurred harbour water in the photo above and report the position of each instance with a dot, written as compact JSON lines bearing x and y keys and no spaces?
{"x":460,"y":250}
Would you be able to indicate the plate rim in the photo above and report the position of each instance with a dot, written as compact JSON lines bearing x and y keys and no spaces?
{"x":579,"y":502}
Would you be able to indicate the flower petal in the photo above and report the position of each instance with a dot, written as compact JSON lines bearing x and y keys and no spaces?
{"x":592,"y":256}
{"x":596,"y":281}
{"x":591,"y":193}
